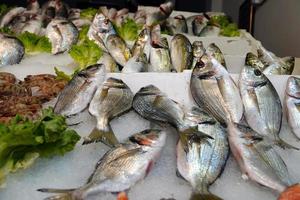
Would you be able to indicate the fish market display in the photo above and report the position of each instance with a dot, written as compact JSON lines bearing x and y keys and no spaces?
{"x":78,"y":93}
{"x":200,"y":160}
{"x":263,"y":110}
{"x":258,"y":160}
{"x":11,"y":50}
{"x":112,"y":99}
{"x":213,"y":89}
{"x":120,"y":168}
{"x":160,"y":60}
{"x":292,"y":104}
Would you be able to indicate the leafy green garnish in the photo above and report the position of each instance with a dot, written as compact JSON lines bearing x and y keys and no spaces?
{"x":23,"y":141}
{"x":6,"y":30}
{"x":86,"y":53}
{"x":230,"y":31}
{"x":129,"y":30}
{"x":227,"y":29}
{"x":219,"y":20}
{"x":83,"y":34}
{"x":60,"y":75}
{"x":34,"y":43}
{"x":88,"y":13}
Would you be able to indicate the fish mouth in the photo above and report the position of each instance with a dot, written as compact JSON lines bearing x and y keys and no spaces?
{"x":146,"y":137}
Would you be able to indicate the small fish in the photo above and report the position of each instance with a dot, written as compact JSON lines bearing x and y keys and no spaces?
{"x":200,"y":160}
{"x":198,"y":51}
{"x":136,"y":64}
{"x":62,"y":35}
{"x":78,"y":93}
{"x":112,"y":99}
{"x":118,"y":49}
{"x":11,"y":15}
{"x":142,"y":44}
{"x":160,"y":60}
{"x":257,"y":159}
{"x":253,"y":60}
{"x":263,"y":110}
{"x":214,"y":51}
{"x":213,"y":89}
{"x":110,"y":64}
{"x":181,"y":53}
{"x":11,"y":50}
{"x":210,"y":31}
{"x":120,"y":168}
{"x":198,"y":24}
{"x":33,"y":25}
{"x":177,"y":24}
{"x":292,"y":104}
{"x":161,"y":14}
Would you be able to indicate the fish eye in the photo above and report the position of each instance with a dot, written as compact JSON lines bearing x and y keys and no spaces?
{"x":257,"y":72}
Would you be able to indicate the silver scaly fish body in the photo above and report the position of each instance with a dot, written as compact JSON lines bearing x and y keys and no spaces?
{"x":210,"y":31}
{"x":160,"y":60}
{"x":34,"y":25}
{"x":213,"y":89}
{"x":10,"y":15}
{"x":160,"y":15}
{"x":109,"y":63}
{"x":112,"y":99}
{"x":142,"y":44}
{"x":214,"y":51}
{"x":136,"y":64}
{"x":78,"y":93}
{"x":121,"y":167}
{"x":11,"y":50}
{"x":200,"y":161}
{"x":198,"y":24}
{"x":257,"y":159}
{"x":177,"y":24}
{"x":181,"y":53}
{"x":292,"y":104}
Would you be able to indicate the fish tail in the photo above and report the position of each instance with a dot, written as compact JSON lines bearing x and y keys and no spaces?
{"x":291,"y":193}
{"x":65,"y":194}
{"x":207,"y":196}
{"x":106,"y":137}
{"x":281,"y":143}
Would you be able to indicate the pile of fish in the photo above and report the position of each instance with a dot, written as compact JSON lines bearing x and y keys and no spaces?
{"x":243,"y":118}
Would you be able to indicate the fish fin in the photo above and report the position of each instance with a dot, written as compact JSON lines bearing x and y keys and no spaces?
{"x":106,"y":137}
{"x":179,"y":175}
{"x":291,"y":193}
{"x":198,"y":196}
{"x":281,"y":143}
{"x":65,"y":194}
{"x":122,"y":196}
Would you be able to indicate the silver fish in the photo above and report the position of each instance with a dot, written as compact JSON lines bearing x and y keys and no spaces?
{"x":142,"y":44}
{"x":160,"y":15}
{"x":62,"y":35}
{"x":156,"y":39}
{"x":33,"y":25}
{"x":112,"y":99}
{"x":213,"y":89}
{"x":292,"y":104}
{"x":78,"y":93}
{"x":177,"y":24}
{"x":263,"y":110}
{"x":257,"y":159}
{"x":198,"y":24}
{"x":10,"y":15}
{"x":200,"y":160}
{"x":181,"y":53}
{"x":136,"y":64}
{"x":160,"y":60}
{"x":254,"y":61}
{"x":214,"y":51}
{"x":120,"y":168}
{"x":210,"y":31}
{"x":110,"y":64}
{"x":198,"y":51}
{"x":118,"y":49}
{"x":189,"y":21}
{"x":11,"y":50}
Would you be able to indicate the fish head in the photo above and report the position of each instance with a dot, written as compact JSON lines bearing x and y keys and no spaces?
{"x":179,"y":19}
{"x":253,"y":60}
{"x":213,"y":48}
{"x":166,"y":8}
{"x":198,"y":49}
{"x":293,"y":87}
{"x":92,"y":71}
{"x":101,"y":22}
{"x":199,"y":20}
{"x":149,"y":138}
{"x":253,"y":76}
{"x":204,"y":68}
{"x":149,"y":90}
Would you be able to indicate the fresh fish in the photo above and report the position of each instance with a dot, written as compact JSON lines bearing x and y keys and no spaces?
{"x":136,"y":64}
{"x":142,"y":44}
{"x":120,"y":168}
{"x":189,"y":21}
{"x":198,"y":24}
{"x":198,"y":51}
{"x":177,"y":24}
{"x":210,"y":31}
{"x":200,"y":160}
{"x":263,"y":111}
{"x":214,"y":51}
{"x":78,"y":93}
{"x":181,"y":53}
{"x":257,"y":159}
{"x":160,"y":60}
{"x":33,"y":25}
{"x":10,"y":15}
{"x":292,"y":104}
{"x":112,"y":99}
{"x":62,"y":35}
{"x":253,"y":60}
{"x":161,"y":14}
{"x":11,"y":50}
{"x":213,"y":89}
{"x":156,"y":39}
{"x":110,"y":64}
{"x":118,"y":49}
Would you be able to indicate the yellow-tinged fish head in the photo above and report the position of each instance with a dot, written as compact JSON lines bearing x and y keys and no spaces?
{"x":204,"y":68}
{"x":149,"y":137}
{"x":252,"y":76}
{"x":293,"y":87}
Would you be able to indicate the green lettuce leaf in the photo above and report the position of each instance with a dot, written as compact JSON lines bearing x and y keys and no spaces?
{"x":23,"y":141}
{"x":6,"y":30}
{"x":129,"y":30}
{"x":219,"y":20}
{"x":83,"y":34}
{"x":34,"y":43}
{"x":88,"y":13}
{"x":230,"y":31}
{"x":60,"y":75}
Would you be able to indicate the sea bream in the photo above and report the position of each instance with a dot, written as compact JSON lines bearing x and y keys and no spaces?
{"x":80,"y":90}
{"x":120,"y":168}
{"x":198,"y":52}
{"x":142,"y":44}
{"x":111,"y":100}
{"x":160,"y":60}
{"x":254,"y":61}
{"x":176,"y":24}
{"x":214,"y":51}
{"x":11,"y":50}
